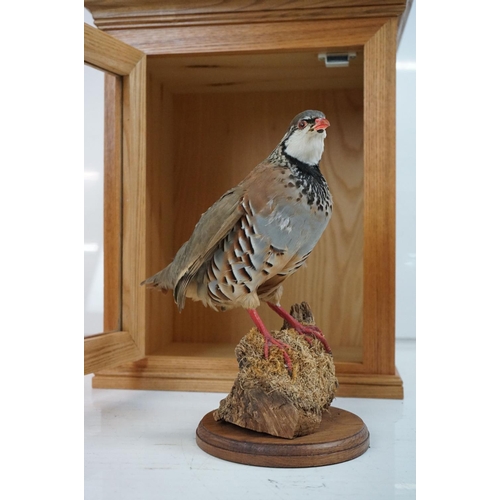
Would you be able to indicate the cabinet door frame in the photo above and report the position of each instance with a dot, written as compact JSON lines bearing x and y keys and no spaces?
{"x":124,"y":223}
{"x":377,"y":37}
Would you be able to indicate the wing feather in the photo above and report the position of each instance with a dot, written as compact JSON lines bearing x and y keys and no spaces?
{"x":211,"y":229}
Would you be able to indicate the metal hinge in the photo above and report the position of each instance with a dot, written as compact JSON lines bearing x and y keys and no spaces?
{"x":336,"y":60}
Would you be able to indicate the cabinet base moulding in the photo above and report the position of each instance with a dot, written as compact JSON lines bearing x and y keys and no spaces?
{"x":156,"y":373}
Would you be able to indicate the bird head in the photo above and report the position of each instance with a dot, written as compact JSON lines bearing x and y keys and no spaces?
{"x":305,"y":137}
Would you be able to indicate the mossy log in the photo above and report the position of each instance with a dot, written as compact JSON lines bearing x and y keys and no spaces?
{"x":266,"y":397}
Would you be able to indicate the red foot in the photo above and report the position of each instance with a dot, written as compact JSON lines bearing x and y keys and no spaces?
{"x":270,"y":340}
{"x":310,"y":330}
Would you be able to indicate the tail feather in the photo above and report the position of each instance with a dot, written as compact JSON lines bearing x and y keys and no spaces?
{"x":160,"y":281}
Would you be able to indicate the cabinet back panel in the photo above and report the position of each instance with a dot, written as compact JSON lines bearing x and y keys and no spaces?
{"x":217,"y":139}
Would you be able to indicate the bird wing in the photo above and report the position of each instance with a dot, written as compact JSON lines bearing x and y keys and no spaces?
{"x":217,"y":222}
{"x":212,"y":227}
{"x":256,"y":196}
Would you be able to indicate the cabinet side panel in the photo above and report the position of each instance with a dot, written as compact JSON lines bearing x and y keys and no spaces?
{"x":380,"y":186}
{"x":160,"y":210}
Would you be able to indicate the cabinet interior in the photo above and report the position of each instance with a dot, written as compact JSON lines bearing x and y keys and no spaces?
{"x":210,"y":120}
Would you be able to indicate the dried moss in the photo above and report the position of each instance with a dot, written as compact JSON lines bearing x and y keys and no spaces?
{"x":310,"y":388}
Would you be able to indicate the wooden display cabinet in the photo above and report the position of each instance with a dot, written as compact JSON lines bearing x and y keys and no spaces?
{"x":203,"y":93}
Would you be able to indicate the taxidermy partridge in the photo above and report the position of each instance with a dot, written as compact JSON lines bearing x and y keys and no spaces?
{"x":258,"y":233}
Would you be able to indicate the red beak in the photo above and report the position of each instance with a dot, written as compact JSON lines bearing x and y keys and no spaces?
{"x":321,"y":124}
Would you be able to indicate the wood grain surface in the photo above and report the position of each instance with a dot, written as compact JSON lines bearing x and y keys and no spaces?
{"x":124,"y":155}
{"x":134,"y":206}
{"x":258,"y":37}
{"x":109,"y":350}
{"x":341,"y":436}
{"x":255,"y":72}
{"x":112,"y":239}
{"x":206,"y":129}
{"x":105,"y":52}
{"x":160,"y":209}
{"x":233,"y":133}
{"x":212,"y":367}
{"x":154,"y":14}
{"x":380,"y":200}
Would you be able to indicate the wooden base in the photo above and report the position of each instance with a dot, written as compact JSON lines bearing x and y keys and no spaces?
{"x":341,"y":436}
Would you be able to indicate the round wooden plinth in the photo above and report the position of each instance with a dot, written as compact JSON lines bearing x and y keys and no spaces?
{"x":341,"y":436}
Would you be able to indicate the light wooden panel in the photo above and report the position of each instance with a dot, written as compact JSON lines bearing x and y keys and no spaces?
{"x":259,"y":37}
{"x":107,"y":53}
{"x":255,"y":72}
{"x":234,"y":132}
{"x":134,"y":206}
{"x":160,"y":208}
{"x":112,"y":202}
{"x":345,"y":355}
{"x":211,"y":369}
{"x":380,"y":196}
{"x":108,"y":350}
{"x":124,"y":154}
{"x":154,"y":14}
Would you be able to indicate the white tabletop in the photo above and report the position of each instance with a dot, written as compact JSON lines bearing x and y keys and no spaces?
{"x":141,"y":445}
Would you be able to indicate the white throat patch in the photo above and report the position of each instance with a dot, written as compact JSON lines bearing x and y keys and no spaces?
{"x":306,"y":146}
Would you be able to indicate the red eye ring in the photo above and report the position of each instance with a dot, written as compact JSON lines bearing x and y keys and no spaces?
{"x":302,"y":124}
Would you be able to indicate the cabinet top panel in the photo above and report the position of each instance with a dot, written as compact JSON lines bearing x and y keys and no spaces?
{"x":127,"y":14}
{"x":254,"y":72}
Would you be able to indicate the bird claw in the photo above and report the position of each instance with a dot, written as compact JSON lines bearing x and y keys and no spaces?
{"x":315,"y":332}
{"x":269,"y":340}
{"x":309,"y":341}
{"x":310,"y":330}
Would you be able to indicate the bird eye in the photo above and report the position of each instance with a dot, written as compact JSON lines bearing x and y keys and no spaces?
{"x":302,"y":124}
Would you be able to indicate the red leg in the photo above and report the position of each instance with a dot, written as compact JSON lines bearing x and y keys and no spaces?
{"x":313,"y":331}
{"x":269,"y":339}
